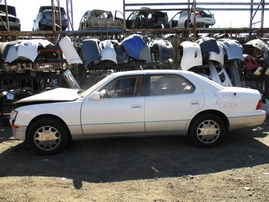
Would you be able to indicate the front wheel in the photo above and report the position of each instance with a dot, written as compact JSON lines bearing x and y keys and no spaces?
{"x":207,"y":131}
{"x":47,"y":136}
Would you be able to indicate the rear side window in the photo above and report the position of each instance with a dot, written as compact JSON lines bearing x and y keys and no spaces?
{"x":169,"y":85}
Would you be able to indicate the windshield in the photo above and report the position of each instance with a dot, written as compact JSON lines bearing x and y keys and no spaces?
{"x":95,"y":86}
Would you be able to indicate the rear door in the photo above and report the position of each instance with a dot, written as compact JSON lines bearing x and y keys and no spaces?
{"x":171,"y":103}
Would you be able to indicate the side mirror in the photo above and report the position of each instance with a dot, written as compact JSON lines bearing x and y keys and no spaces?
{"x":95,"y":96}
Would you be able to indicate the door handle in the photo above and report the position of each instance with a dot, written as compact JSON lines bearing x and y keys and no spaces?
{"x":136,"y":106}
{"x":195,"y":102}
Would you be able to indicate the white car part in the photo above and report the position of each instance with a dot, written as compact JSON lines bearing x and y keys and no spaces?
{"x":26,"y":48}
{"x":215,"y":75}
{"x":69,"y":51}
{"x":192,"y":55}
{"x":107,"y":51}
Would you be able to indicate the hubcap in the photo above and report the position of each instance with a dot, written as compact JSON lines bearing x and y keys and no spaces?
{"x":208,"y":131}
{"x":47,"y":138}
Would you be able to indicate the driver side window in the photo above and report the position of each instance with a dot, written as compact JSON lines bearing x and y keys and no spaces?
{"x":123,"y":87}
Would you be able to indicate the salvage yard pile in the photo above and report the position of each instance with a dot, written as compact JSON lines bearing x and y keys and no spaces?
{"x":224,"y":60}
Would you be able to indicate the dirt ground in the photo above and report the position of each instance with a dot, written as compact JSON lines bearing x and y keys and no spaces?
{"x":160,"y":169}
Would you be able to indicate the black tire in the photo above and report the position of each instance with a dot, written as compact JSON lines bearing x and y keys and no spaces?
{"x":207,"y":131}
{"x":40,"y":27}
{"x":186,"y":24}
{"x":48,"y":136}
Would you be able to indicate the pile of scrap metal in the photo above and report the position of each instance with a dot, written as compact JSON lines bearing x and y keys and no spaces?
{"x":28,"y":50}
{"x":256,"y":64}
{"x":223,"y":60}
{"x":131,"y":53}
{"x":228,"y":63}
{"x":219,"y":60}
{"x":256,"y":57}
{"x":18,"y":79}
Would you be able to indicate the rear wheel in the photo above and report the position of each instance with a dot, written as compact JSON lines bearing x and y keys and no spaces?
{"x":207,"y":131}
{"x":47,"y":136}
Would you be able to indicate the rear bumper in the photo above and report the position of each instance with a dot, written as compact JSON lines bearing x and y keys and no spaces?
{"x":247,"y":121}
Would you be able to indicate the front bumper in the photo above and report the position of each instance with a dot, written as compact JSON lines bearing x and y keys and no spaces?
{"x":18,"y":132}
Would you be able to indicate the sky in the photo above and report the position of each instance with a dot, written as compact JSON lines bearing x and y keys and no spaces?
{"x":28,"y":9}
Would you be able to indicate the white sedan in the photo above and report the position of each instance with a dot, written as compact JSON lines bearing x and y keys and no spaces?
{"x":136,"y":103}
{"x":203,"y":18}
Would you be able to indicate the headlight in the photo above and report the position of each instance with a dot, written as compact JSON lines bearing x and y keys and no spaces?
{"x":13,"y":115}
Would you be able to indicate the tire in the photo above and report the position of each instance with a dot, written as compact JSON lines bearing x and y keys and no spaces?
{"x":40,"y":27}
{"x":207,"y":131}
{"x":47,"y":136}
{"x":186,"y":24}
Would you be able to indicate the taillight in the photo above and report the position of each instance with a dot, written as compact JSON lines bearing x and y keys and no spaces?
{"x":197,"y":14}
{"x":259,"y":105}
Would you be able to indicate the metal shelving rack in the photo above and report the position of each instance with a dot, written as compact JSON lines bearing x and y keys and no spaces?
{"x":251,"y":6}
{"x":55,"y":36}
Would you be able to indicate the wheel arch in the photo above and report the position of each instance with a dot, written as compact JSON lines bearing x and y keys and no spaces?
{"x":213,"y":112}
{"x":50,"y":116}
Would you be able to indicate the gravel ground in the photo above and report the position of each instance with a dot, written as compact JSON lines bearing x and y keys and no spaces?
{"x":156,"y":169}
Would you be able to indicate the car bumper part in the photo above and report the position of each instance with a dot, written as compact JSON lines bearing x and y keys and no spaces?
{"x":247,"y":121}
{"x":18,"y":132}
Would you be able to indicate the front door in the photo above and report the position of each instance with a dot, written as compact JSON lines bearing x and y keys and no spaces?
{"x":119,"y":111}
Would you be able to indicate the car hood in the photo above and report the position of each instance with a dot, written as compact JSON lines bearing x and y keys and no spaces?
{"x":54,"y":95}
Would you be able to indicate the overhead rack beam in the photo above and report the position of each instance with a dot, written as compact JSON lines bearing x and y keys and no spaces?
{"x":230,"y":6}
{"x":197,"y":3}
